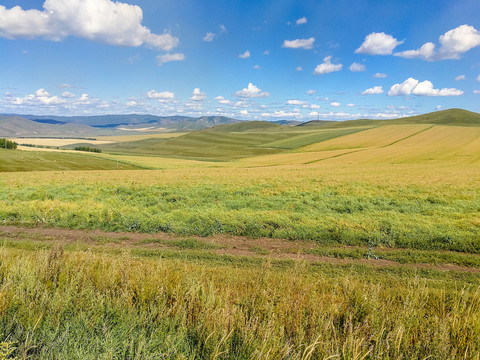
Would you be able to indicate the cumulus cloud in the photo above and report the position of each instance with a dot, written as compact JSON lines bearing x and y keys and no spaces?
{"x":257,"y":67}
{"x":302,"y":20}
{"x":476,"y":91}
{"x":356,"y":67}
{"x":424,"y":88}
{"x":223,"y":101}
{"x":163,"y":96}
{"x":425,"y":52}
{"x":453,"y":44}
{"x":460,"y":77}
{"x":251,"y":91}
{"x":296,"y":102}
{"x":197,"y":95}
{"x":162,"y":59}
{"x":306,"y":44}
{"x":311,"y":92}
{"x":243,"y":112}
{"x":335,"y":104}
{"x":372,"y":91}
{"x":245,"y":55}
{"x":40,"y":97}
{"x":315,"y":106}
{"x":404,"y":88}
{"x":85,"y":19}
{"x":68,"y":95}
{"x":478,"y":77}
{"x":281,"y":113}
{"x":299,"y":68}
{"x":379,"y":75}
{"x":327,"y":67}
{"x":209,"y":37}
{"x":378,"y":44}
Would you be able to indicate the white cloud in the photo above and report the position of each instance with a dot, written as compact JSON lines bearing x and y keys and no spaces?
{"x":84,"y":98}
{"x":197,"y":95}
{"x":404,"y":88}
{"x":245,"y":55}
{"x":209,"y":37}
{"x":40,"y":97}
{"x":85,"y":19}
{"x":266,"y":52}
{"x":68,"y":95}
{"x":302,"y":20}
{"x":311,"y":92}
{"x":372,"y":91}
{"x":478,"y":77}
{"x":281,"y":113}
{"x":327,"y":67}
{"x":379,"y":75}
{"x":335,"y":104}
{"x":453,"y":43}
{"x":252,"y":92}
{"x":350,"y":105}
{"x":64,"y":86}
{"x":162,"y":59}
{"x":223,"y":101}
{"x":306,"y":44}
{"x":296,"y":102}
{"x":378,"y":44}
{"x":458,"y":41}
{"x":315,"y":106}
{"x":299,"y":68}
{"x":243,"y":112}
{"x":425,"y":52}
{"x":163,"y":96}
{"x":476,"y":91}
{"x":257,"y":67}
{"x":424,"y":88}
{"x":356,"y":67}
{"x":460,"y":77}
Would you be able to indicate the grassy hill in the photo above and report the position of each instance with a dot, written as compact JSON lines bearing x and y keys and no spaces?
{"x":17,"y":160}
{"x":443,"y":117}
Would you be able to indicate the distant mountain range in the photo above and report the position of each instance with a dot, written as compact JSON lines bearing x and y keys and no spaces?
{"x":32,"y":125}
{"x":14,"y":125}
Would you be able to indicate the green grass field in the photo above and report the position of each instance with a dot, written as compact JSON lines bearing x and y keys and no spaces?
{"x":358,"y":240}
{"x":16,"y":160}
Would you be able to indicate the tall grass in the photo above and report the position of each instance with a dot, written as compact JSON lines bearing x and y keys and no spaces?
{"x":82,"y":305}
{"x":404,"y":208}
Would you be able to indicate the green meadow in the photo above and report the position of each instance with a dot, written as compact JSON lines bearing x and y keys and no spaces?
{"x":363,"y":243}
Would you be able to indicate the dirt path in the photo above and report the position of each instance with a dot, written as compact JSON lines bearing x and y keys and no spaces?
{"x":222,"y":244}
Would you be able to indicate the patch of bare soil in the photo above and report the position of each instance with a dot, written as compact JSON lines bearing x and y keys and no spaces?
{"x":228,"y":245}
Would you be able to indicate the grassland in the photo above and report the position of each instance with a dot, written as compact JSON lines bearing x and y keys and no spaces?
{"x":15,"y":161}
{"x":251,"y":242}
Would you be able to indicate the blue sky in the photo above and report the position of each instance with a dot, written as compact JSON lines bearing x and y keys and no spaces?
{"x":266,"y":60}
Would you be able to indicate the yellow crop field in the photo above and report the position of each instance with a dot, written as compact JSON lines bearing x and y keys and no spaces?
{"x":376,"y":137}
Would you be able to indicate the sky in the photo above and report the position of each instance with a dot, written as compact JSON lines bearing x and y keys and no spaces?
{"x":252,"y":60}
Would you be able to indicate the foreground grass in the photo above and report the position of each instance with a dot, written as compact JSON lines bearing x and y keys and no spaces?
{"x":83,"y":304}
